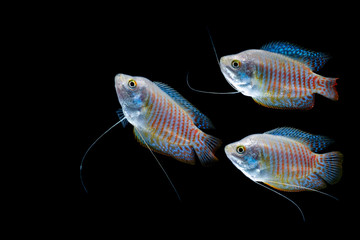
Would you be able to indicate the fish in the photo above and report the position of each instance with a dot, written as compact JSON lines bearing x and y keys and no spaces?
{"x":287,"y":159}
{"x":165,"y":121}
{"x":280,"y":75}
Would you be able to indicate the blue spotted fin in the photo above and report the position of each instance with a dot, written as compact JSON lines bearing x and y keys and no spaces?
{"x":314,"y":60}
{"x":329,"y":166}
{"x":200,"y":120}
{"x":316,"y":143}
{"x":310,"y":182}
{"x":300,"y":103}
{"x":183,"y":153}
{"x":121,"y":116}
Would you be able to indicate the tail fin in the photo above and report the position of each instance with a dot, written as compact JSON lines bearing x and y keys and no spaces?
{"x":329,"y":166}
{"x":326,"y":87}
{"x":205,"y":145}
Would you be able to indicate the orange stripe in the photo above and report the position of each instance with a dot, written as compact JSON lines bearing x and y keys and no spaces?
{"x":287,"y":157}
{"x":167,"y":118}
{"x":267,"y":77}
{"x":292,"y":87}
{"x":282,"y":161}
{"x":305,"y":160}
{"x":301,"y":160}
{"x":295,"y":80}
{"x":153,"y":110}
{"x":276,"y":86}
{"x":297,"y":159}
{"x":181,"y":126}
{"x":185,"y":129}
{"x":157,"y":113}
{"x":293,"y":157}
{"x":298,"y":70}
{"x":160,"y":125}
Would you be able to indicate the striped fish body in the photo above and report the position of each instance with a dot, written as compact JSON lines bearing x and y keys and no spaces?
{"x":277,"y":80}
{"x":286,"y":159}
{"x":167,"y":123}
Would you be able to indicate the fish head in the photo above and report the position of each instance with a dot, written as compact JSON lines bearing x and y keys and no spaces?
{"x":132,"y":91}
{"x":238,"y":71}
{"x":246,"y":156}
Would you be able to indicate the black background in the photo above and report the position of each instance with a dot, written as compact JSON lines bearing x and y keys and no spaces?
{"x":123,"y":179}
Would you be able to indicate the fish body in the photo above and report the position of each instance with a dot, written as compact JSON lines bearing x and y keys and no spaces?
{"x":165,"y":121}
{"x":287,"y":159}
{"x":280,"y":75}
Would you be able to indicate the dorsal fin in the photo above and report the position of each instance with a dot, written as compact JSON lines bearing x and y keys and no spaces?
{"x":315,"y":142}
{"x":314,"y":60}
{"x":200,"y":120}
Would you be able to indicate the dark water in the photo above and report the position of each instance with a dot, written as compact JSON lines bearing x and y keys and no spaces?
{"x":123,"y":179}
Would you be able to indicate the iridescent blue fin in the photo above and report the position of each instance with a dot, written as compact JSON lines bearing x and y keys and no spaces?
{"x":329,"y":166}
{"x":200,"y":120}
{"x":205,"y":146}
{"x":120,"y":114}
{"x":314,"y":60}
{"x":303,"y":103}
{"x":309,"y":183}
{"x":315,"y":142}
{"x":182,"y":153}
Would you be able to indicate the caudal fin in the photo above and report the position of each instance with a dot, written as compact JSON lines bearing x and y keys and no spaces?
{"x":326,"y":87}
{"x":205,"y":146}
{"x":329,"y":166}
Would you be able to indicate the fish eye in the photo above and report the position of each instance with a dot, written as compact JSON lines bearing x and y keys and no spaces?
{"x":235,"y":64}
{"x":132,"y":84}
{"x":240,"y":149}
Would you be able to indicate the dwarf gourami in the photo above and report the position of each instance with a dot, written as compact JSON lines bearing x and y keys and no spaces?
{"x":163,"y":121}
{"x":287,"y":159}
{"x":279,"y":75}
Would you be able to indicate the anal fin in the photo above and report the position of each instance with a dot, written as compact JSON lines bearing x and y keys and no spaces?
{"x":312,"y":182}
{"x":182,"y":153}
{"x":303,"y":103}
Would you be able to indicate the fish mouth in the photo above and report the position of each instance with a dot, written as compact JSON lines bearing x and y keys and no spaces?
{"x":229,"y":151}
{"x":232,"y":78}
{"x":229,"y":75}
{"x":122,"y":94}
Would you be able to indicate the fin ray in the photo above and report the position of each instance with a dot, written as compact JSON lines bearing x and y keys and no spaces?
{"x":312,"y":182}
{"x":329,"y":166}
{"x":326,"y":87}
{"x":182,"y":153}
{"x":303,"y":103}
{"x":121,"y":116}
{"x":205,"y":148}
{"x":316,"y":143}
{"x":314,"y":60}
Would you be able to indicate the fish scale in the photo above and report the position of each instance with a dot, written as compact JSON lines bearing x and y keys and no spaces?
{"x":278,"y":72}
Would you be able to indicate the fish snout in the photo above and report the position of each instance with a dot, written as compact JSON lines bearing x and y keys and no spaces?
{"x":119,"y":78}
{"x":230,"y":152}
{"x":223,"y":61}
{"x":228,"y":149}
